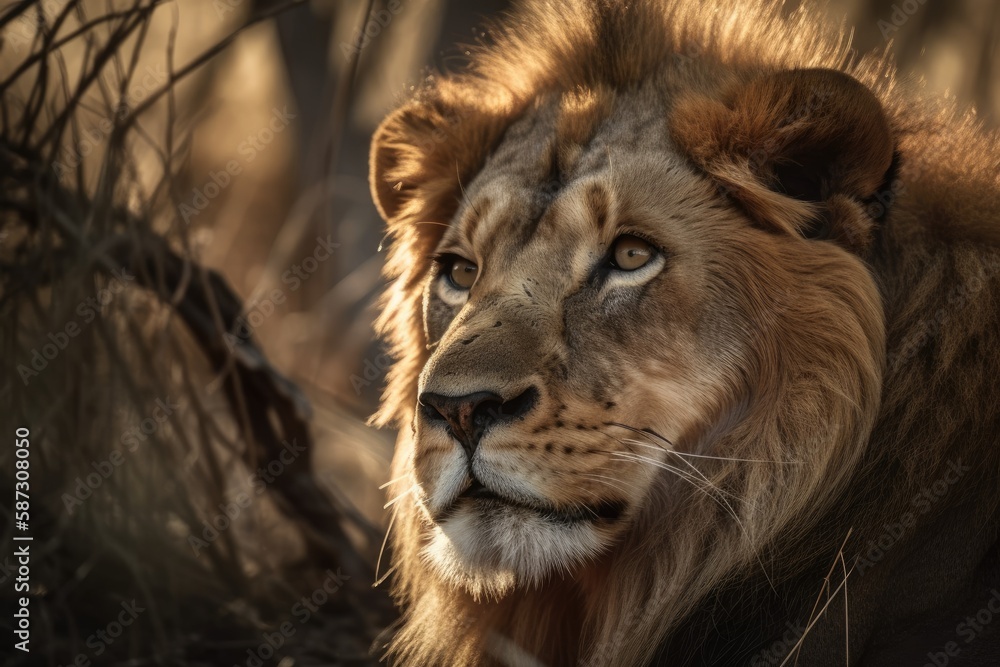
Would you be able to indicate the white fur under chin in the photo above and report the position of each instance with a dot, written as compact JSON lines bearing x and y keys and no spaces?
{"x":511,"y":547}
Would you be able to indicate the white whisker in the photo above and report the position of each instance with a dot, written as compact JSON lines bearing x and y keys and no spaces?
{"x":378,"y":563}
{"x":393,"y":481}
{"x":401,"y":495}
{"x":610,"y":481}
{"x":723,"y":502}
{"x":706,"y":456}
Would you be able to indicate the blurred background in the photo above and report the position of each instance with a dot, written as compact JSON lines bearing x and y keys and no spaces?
{"x":189,"y":272}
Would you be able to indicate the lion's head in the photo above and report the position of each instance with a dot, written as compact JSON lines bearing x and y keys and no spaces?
{"x":632,"y":313}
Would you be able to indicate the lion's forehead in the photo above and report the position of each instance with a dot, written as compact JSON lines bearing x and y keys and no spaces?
{"x":546,"y":189}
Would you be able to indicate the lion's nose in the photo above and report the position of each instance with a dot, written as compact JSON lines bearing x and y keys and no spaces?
{"x":469,"y":416}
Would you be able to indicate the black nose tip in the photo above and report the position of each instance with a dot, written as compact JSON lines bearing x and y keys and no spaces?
{"x":469,"y":416}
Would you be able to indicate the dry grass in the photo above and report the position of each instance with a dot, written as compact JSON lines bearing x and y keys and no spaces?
{"x":150,"y":408}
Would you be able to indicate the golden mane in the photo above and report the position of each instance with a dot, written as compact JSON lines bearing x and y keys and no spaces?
{"x":621,"y":613}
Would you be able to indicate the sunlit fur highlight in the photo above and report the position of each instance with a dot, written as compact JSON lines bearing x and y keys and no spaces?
{"x":822,"y":411}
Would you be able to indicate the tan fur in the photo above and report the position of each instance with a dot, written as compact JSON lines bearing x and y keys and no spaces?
{"x":799,"y":361}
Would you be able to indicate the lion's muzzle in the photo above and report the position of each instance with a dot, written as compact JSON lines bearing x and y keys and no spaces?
{"x":468,"y":417}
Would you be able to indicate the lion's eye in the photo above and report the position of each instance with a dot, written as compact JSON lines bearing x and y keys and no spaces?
{"x":462,"y":273}
{"x":630,"y":252}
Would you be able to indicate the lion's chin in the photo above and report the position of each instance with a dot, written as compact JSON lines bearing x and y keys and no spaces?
{"x":489,"y":549}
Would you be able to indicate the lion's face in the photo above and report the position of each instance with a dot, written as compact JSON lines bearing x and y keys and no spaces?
{"x":598,"y":314}
{"x":567,"y":311}
{"x":585,"y":316}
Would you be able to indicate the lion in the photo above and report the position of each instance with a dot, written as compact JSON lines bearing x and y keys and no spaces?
{"x":695,"y":328}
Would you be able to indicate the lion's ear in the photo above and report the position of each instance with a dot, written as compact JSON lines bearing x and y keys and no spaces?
{"x":422,"y":151}
{"x":804,"y":151}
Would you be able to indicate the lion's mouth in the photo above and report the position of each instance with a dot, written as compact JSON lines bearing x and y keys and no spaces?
{"x":606,"y":510}
{"x":478,"y":490}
